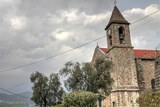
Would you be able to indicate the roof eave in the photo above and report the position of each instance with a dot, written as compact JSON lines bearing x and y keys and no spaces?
{"x":145,"y":58}
{"x":116,"y":22}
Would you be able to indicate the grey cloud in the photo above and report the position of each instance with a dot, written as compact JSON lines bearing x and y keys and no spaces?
{"x":39,"y":7}
{"x":145,"y":32}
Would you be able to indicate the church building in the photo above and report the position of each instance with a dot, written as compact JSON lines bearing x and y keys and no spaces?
{"x":133,"y":69}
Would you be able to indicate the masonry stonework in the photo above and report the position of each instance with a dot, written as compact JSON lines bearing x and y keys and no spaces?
{"x":157,"y":75}
{"x":133,"y":70}
{"x":149,"y":74}
{"x":125,"y":87}
{"x":140,"y":75}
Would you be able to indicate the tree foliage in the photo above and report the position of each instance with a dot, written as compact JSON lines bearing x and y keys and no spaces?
{"x":80,"y":99}
{"x":46,"y":91}
{"x":87,"y":76}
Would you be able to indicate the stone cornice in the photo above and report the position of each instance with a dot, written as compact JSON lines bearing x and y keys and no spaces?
{"x":119,"y":47}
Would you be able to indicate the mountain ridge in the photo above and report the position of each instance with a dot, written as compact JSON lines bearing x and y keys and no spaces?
{"x":21,"y":97}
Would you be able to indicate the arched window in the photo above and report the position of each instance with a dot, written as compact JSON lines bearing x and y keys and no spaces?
{"x":121,"y":35}
{"x":110,"y":37}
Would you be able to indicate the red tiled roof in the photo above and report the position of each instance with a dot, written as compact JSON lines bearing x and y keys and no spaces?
{"x":104,"y":49}
{"x":143,"y":54}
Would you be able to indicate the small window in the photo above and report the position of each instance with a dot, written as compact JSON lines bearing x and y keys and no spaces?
{"x":110,"y":40}
{"x":121,"y":35}
{"x":153,"y":83}
{"x":109,"y":32}
{"x":114,"y":104}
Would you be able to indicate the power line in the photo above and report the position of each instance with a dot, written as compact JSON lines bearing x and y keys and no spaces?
{"x":22,"y":83}
{"x":142,"y":24}
{"x":71,"y":49}
{"x":52,"y":56}
{"x":18,"y":85}
{"x":15,"y":94}
{"x":145,"y":17}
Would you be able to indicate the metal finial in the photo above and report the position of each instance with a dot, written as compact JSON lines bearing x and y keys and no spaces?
{"x":97,"y":45}
{"x":115,"y":2}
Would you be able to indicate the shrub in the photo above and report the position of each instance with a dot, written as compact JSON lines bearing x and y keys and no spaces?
{"x":59,"y":105}
{"x":80,"y":99}
{"x":150,"y":99}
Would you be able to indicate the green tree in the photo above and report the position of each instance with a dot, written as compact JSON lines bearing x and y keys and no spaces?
{"x":87,"y":76}
{"x":46,"y":91}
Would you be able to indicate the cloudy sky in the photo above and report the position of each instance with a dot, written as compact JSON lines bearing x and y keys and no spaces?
{"x":32,"y":30}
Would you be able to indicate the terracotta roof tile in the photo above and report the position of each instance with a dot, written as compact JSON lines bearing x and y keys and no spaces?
{"x":104,"y":49}
{"x":145,"y":54}
{"x":142,"y":54}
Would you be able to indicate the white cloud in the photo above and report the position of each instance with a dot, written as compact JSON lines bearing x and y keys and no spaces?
{"x":145,"y":32}
{"x":17,"y":22}
{"x":136,"y":13}
{"x":75,"y":16}
{"x":71,"y":15}
{"x":150,"y":9}
{"x":96,"y":18}
{"x":61,"y":35}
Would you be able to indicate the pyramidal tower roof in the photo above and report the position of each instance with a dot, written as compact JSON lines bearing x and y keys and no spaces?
{"x":116,"y":17}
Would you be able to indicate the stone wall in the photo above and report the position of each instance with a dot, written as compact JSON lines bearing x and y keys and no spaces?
{"x":124,"y":70}
{"x":145,"y":73}
{"x":121,"y":99}
{"x":157,"y":73}
{"x":115,"y":36}
{"x":97,"y":53}
{"x":106,"y":102}
{"x":140,"y":75}
{"x":149,"y":72}
{"x":125,"y":87}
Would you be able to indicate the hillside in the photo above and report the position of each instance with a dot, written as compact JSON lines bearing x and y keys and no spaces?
{"x":15,"y":98}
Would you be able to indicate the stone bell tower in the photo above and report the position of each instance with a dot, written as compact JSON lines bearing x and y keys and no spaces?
{"x":125,"y":87}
